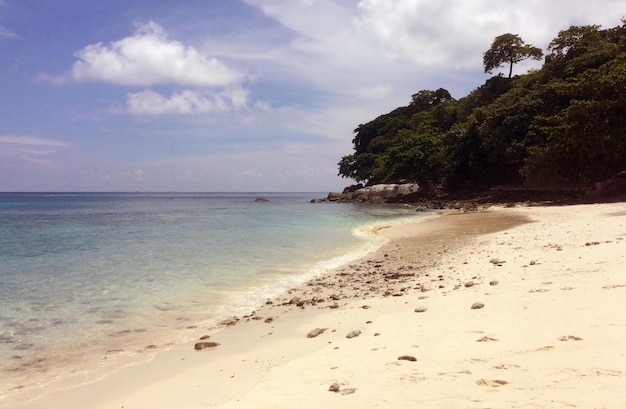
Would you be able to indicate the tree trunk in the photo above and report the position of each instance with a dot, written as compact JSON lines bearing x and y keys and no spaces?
{"x":510,"y":69}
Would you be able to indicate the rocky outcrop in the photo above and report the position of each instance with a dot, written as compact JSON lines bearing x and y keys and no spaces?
{"x":383,"y":193}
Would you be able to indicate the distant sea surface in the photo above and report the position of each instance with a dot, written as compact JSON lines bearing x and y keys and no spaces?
{"x":91,"y":282}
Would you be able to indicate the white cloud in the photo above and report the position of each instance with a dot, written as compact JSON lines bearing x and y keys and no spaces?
{"x":252,"y":174}
{"x":148,"y":58}
{"x":5,"y":33}
{"x":380,"y":41}
{"x":13,"y":140}
{"x":30,"y":149}
{"x":184,"y":103}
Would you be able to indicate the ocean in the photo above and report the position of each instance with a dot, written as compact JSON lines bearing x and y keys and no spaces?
{"x":90,"y":282}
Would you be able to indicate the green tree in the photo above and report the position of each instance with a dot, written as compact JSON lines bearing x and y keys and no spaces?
{"x":509,"y":49}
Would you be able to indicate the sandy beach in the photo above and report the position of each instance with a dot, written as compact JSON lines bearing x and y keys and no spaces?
{"x":517,"y":307}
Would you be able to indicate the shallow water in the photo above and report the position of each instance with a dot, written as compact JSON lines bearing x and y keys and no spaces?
{"x":93,"y":281}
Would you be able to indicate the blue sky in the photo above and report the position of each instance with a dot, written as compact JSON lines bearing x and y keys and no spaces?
{"x":233,"y":95}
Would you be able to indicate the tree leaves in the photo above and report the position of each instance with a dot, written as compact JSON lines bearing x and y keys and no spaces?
{"x":509,"y":49}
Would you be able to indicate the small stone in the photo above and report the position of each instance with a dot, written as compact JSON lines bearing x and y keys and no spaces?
{"x":407,"y":358}
{"x":469,"y":284}
{"x":494,"y":383}
{"x":421,"y":309}
{"x":486,"y":339}
{"x":494,"y":282}
{"x":570,"y":338}
{"x":334,"y":388}
{"x":229,"y":321}
{"x":353,"y":334}
{"x":533,"y":262}
{"x":268,"y":320}
{"x":348,"y":391}
{"x":204,"y":345}
{"x":477,"y":305}
{"x":202,"y":338}
{"x":315,"y":332}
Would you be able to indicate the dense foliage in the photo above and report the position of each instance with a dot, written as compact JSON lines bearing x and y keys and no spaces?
{"x":562,"y":125}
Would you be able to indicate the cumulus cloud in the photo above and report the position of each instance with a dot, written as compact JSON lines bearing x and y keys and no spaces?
{"x":184,"y":103}
{"x":378,"y":37}
{"x":148,"y":58}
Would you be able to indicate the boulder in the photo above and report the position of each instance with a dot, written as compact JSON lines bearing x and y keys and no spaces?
{"x":381,"y":193}
{"x":337,"y":197}
{"x":384,"y":192}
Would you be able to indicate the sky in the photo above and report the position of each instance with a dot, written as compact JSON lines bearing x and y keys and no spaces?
{"x":234,"y":95}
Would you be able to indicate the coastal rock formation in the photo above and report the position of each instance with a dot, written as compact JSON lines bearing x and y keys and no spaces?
{"x":382,"y":193}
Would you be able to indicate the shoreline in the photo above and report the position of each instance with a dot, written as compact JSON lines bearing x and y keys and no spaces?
{"x":266,"y":360}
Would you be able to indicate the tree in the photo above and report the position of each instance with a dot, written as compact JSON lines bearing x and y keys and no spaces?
{"x":509,"y":48}
{"x":426,"y":99}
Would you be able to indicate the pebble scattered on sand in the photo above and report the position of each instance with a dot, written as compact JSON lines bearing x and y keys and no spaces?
{"x":477,"y":305}
{"x":494,"y":383}
{"x":204,"y":345}
{"x":315,"y":332}
{"x":335,"y":387}
{"x":570,"y":338}
{"x":486,"y":339}
{"x":407,"y":358}
{"x":421,"y":309}
{"x":229,"y":321}
{"x":353,"y":334}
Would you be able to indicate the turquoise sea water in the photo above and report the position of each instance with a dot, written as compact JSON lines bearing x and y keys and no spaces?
{"x":89,"y":282}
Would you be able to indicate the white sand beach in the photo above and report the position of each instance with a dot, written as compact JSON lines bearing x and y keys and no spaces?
{"x":550,"y":333}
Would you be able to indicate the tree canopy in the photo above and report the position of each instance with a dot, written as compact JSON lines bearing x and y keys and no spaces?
{"x":561,"y":125}
{"x":509,"y":49}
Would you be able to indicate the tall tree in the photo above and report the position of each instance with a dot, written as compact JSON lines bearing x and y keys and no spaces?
{"x":509,"y":49}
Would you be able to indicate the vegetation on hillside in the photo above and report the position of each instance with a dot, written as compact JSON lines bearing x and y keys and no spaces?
{"x":562,"y":125}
